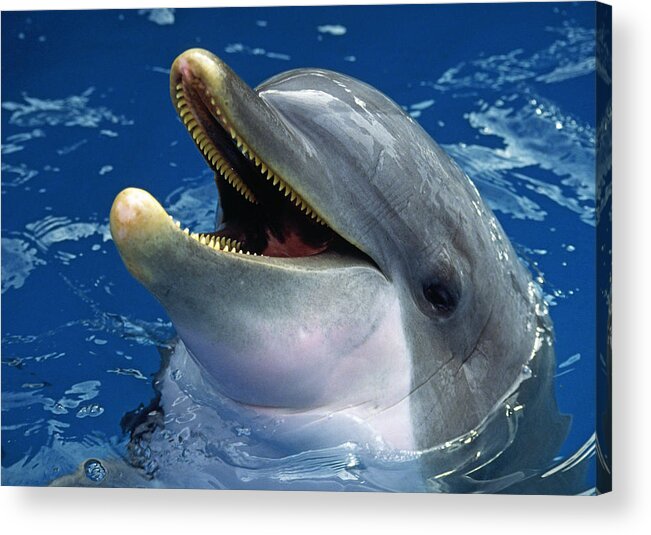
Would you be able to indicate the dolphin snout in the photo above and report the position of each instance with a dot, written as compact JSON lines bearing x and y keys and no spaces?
{"x":133,"y":212}
{"x":198,"y":65}
{"x":138,"y":223}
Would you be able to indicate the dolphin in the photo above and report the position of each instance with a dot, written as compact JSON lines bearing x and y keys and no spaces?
{"x":356,"y":286}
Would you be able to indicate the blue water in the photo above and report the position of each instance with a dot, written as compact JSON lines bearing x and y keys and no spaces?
{"x":507,"y":90}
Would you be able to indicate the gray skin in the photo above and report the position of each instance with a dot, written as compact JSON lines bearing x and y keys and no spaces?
{"x":331,"y":334}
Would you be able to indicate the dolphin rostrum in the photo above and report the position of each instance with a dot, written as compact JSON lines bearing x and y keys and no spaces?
{"x":355,"y":275}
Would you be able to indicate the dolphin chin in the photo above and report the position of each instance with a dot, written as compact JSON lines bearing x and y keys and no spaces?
{"x":355,"y":273}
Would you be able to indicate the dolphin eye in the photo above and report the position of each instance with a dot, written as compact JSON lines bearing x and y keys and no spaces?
{"x":442,"y":298}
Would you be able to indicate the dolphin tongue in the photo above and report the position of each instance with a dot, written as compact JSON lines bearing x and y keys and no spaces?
{"x":272,"y":227}
{"x":292,"y":245}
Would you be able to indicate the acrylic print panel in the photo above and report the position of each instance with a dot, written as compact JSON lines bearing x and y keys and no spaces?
{"x":353,"y":306}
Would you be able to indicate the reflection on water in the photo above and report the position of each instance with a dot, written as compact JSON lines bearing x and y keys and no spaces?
{"x":81,"y":341}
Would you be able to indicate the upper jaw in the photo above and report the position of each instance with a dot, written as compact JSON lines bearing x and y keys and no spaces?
{"x":221,"y":112}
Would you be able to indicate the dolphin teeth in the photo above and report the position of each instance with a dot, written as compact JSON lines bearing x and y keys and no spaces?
{"x":205,"y":144}
{"x":282,"y":186}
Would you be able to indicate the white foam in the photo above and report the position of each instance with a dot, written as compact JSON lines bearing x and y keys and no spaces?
{"x":19,"y":259}
{"x":240,"y":48}
{"x":73,"y":110}
{"x":332,"y":29}
{"x":161,"y":16}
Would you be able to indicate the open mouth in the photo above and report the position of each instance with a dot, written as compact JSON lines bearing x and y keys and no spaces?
{"x":262,"y":214}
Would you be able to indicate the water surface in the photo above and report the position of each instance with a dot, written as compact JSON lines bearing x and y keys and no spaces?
{"x":507,"y":90}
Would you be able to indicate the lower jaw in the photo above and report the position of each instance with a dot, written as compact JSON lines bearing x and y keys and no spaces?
{"x":275,"y":233}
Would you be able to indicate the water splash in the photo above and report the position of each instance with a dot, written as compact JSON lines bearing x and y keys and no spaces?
{"x":239,"y":48}
{"x":332,"y":29}
{"x":19,"y":259}
{"x":16,"y":175}
{"x":15,"y":142}
{"x":160,"y":16}
{"x":94,"y":470}
{"x":74,"y":110}
{"x":571,"y":55}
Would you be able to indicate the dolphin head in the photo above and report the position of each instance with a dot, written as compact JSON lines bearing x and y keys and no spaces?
{"x":354,"y":266}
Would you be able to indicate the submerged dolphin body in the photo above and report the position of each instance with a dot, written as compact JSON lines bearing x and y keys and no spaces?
{"x":357,"y":288}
